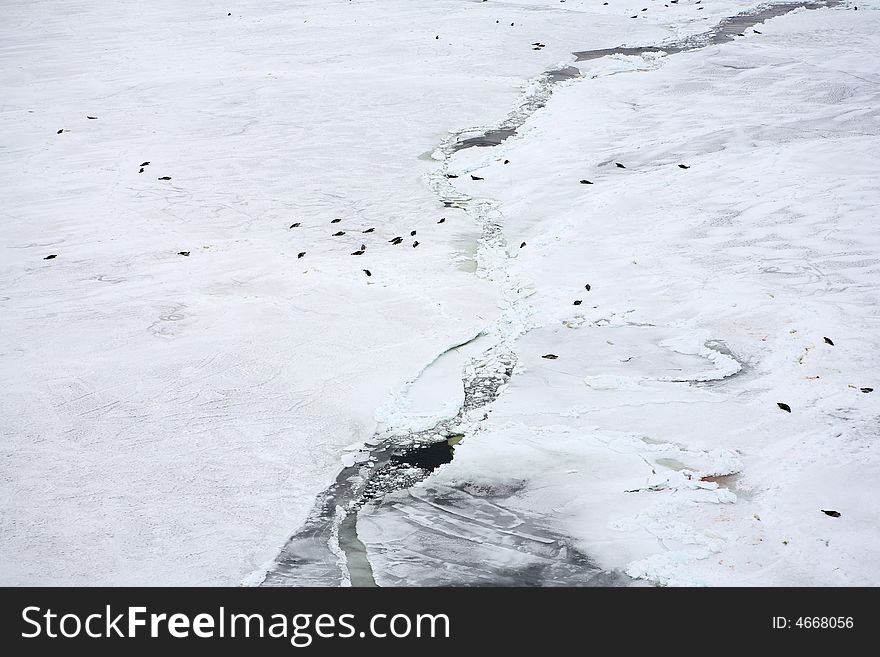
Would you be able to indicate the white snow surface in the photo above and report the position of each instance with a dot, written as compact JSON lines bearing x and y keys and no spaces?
{"x":169,"y":419}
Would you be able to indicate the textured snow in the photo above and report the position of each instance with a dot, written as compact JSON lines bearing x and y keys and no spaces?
{"x":170,"y":419}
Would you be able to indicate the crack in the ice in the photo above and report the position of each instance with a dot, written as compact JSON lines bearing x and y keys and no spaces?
{"x":725,"y":31}
{"x":310,"y":556}
{"x":327,"y":548}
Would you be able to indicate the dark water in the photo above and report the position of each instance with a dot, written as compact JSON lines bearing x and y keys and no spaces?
{"x":565,"y":73}
{"x":488,"y":138}
{"x":427,"y":457}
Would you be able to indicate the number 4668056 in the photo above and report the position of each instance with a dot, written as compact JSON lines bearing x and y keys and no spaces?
{"x":824,"y":622}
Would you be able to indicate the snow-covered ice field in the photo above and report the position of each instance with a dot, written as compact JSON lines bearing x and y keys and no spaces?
{"x":171,"y":419}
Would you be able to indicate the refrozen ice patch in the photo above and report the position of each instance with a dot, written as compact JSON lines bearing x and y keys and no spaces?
{"x":336,"y":550}
{"x":467,"y":536}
